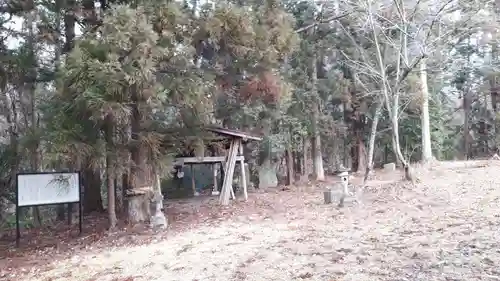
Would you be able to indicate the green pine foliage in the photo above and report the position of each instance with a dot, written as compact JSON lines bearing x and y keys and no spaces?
{"x":151,"y":74}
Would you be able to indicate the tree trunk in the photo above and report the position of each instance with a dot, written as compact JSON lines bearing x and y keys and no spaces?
{"x":495,"y":128}
{"x":394,"y":109}
{"x":319,"y":172}
{"x":395,"y":140}
{"x":289,"y":162}
{"x":394,"y":112}
{"x":111,"y":194}
{"x":125,"y":186}
{"x":69,"y":25}
{"x":361,"y":153}
{"x":58,"y":42}
{"x":29,"y":91}
{"x":466,"y":134}
{"x":12,"y":120}
{"x":92,"y":200}
{"x":118,"y":192}
{"x":373,"y":136}
{"x":337,"y":154}
{"x":60,"y":211}
{"x":395,"y":131}
{"x":426,"y":131}
{"x":494,"y":90}
{"x":296,"y":161}
{"x":267,"y":169}
{"x":135,"y":148}
{"x":467,"y":104}
{"x":137,"y":211}
{"x":305,"y":160}
{"x":110,"y":173}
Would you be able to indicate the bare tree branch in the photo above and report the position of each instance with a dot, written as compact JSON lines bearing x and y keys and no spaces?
{"x":434,"y":20}
{"x":362,"y":51}
{"x":326,"y":20}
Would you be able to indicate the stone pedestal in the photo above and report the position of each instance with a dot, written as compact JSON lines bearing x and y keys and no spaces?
{"x":328,"y":195}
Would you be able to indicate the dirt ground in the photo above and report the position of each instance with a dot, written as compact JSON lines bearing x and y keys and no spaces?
{"x":446,"y":227}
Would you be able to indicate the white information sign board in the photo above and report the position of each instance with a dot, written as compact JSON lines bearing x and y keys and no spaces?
{"x":47,"y":188}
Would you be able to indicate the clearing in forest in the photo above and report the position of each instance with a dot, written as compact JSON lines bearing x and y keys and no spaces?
{"x":444,"y":228}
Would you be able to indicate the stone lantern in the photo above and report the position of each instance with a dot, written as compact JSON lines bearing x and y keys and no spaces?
{"x":344,"y":183}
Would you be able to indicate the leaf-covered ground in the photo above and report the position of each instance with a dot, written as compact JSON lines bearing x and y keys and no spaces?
{"x":444,"y":228}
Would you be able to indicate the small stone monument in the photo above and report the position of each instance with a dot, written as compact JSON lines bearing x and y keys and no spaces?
{"x":158,"y":219}
{"x":390,"y":167}
{"x":344,"y":181}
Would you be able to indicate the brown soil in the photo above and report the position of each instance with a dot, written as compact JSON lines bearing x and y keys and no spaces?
{"x":443,"y":228}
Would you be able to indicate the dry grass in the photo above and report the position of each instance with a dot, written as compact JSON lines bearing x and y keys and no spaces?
{"x":445,"y":228}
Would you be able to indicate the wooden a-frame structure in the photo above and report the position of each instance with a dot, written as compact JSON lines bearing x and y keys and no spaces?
{"x":234,"y":155}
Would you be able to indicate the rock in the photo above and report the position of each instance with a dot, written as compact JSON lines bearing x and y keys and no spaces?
{"x":159,"y":221}
{"x":389,"y":167}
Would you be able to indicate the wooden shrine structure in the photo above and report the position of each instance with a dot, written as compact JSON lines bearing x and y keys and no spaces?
{"x":228,"y":162}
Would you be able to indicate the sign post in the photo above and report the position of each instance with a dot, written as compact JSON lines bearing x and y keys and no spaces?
{"x":47,"y":188}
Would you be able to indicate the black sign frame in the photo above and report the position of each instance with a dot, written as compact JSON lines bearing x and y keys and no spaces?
{"x":80,"y":193}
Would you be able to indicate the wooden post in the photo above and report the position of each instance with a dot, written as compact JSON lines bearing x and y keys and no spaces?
{"x":225,"y":167}
{"x":231,"y":190}
{"x":193,"y":184}
{"x":214,"y":190}
{"x":243,"y":175}
{"x":227,"y":188}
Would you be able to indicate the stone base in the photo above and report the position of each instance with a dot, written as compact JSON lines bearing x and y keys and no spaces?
{"x":334,"y":196}
{"x":328,"y":196}
{"x":159,"y":221}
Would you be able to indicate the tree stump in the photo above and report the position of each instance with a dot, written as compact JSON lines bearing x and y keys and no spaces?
{"x":138,"y":205}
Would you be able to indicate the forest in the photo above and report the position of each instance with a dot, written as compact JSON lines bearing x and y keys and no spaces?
{"x":116,"y":89}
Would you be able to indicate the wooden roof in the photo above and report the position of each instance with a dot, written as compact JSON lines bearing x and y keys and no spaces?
{"x":233,"y":133}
